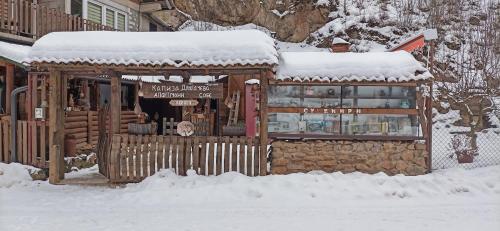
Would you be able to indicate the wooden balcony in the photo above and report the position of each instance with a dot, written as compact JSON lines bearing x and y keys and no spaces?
{"x":24,"y":22}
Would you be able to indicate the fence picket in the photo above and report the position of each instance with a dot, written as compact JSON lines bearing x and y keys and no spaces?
{"x":196,"y":154}
{"x":188,"y":150}
{"x":123,"y":157}
{"x":234,"y":154}
{"x":227,"y":145}
{"x":241,"y":158}
{"x":174,"y":153}
{"x":218,"y":156}
{"x":211,"y":144}
{"x":203,"y":156}
{"x":152,"y":155}
{"x":145,"y":153}
{"x":138,"y":154}
{"x":249,"y":154}
{"x":131,"y":157}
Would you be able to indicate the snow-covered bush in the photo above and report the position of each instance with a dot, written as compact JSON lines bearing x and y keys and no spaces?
{"x":462,"y":147}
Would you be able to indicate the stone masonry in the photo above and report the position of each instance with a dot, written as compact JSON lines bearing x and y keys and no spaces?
{"x":391,"y":157}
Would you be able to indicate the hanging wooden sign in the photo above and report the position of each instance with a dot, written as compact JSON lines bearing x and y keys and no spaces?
{"x":183,"y":102}
{"x":182,"y":90}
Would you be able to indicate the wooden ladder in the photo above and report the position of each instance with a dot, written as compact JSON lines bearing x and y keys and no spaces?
{"x":234,"y":110}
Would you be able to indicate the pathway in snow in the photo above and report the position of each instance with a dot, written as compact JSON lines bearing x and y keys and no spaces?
{"x":453,"y":199}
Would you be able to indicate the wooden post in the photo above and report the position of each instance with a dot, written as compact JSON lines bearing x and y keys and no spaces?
{"x":9,"y":86}
{"x":428,"y":115}
{"x":264,"y":81}
{"x":116,"y":104}
{"x":56,"y":127}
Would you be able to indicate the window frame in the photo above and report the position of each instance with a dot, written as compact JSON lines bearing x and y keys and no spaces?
{"x":104,"y":8}
{"x":386,"y":112}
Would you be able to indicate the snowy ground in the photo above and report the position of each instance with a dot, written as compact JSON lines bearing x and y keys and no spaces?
{"x":453,"y":199}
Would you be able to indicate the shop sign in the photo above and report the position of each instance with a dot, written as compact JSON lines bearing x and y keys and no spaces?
{"x":183,"y":102}
{"x":333,"y":110}
{"x":182,"y":90}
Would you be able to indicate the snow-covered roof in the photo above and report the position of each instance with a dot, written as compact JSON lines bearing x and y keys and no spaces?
{"x":339,"y":41}
{"x":176,"y":49}
{"x":13,"y":52}
{"x":398,"y":66}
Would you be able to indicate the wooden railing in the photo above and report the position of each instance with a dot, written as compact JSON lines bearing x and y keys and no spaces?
{"x":26,"y":19}
{"x":135,"y":157}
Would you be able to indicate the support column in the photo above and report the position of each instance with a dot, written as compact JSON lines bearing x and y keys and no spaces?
{"x":264,"y":81}
{"x":9,"y":86}
{"x":56,"y":126}
{"x":116,"y":103}
{"x":428,"y":115}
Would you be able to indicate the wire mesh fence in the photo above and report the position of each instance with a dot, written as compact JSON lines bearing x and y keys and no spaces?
{"x":485,"y":145}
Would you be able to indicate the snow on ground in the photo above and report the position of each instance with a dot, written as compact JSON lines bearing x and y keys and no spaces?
{"x":453,"y":199}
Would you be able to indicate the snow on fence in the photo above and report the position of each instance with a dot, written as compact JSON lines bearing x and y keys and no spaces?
{"x":135,"y":157}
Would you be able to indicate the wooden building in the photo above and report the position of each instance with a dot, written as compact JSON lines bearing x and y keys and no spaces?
{"x":226,"y":101}
{"x":62,"y":56}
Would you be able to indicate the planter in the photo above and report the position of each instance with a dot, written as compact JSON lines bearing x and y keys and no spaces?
{"x":465,"y":159}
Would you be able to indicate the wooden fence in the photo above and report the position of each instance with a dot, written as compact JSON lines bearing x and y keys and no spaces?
{"x":27,"y":19}
{"x":5,"y":141}
{"x":32,"y":143}
{"x":135,"y":157}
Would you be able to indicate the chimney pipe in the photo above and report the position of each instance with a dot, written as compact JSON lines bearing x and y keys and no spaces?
{"x":339,"y":45}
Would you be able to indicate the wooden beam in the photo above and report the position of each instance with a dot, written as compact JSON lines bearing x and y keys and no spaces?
{"x":115,"y":107}
{"x":264,"y":78}
{"x":392,"y":111}
{"x":9,"y":86}
{"x":56,"y":127}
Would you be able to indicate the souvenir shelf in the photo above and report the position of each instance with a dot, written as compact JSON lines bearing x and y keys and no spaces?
{"x":319,"y":111}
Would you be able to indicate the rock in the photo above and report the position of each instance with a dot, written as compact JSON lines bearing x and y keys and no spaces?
{"x":279,"y":162}
{"x":401,"y":165}
{"x":420,"y":146}
{"x":39,"y":174}
{"x":291,"y":26}
{"x":407,"y":155}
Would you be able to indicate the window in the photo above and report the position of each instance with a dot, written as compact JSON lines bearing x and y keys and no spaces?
{"x":94,"y":12}
{"x":76,"y":7}
{"x":110,"y":18}
{"x":343,"y":110}
{"x":102,"y":14}
{"x":121,"y":22}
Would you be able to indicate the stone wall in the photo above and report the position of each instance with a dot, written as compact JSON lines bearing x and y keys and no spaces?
{"x":391,"y":157}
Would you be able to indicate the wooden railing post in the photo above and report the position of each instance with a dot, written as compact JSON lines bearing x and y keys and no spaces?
{"x":264,"y":80}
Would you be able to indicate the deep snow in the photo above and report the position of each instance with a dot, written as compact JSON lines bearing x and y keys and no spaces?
{"x":453,"y":199}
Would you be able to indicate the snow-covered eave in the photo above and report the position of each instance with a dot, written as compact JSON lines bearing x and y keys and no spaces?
{"x":425,"y":77}
{"x":18,"y":64}
{"x":168,"y":64}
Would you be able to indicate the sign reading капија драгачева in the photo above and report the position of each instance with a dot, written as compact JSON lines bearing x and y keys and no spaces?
{"x":182,"y":90}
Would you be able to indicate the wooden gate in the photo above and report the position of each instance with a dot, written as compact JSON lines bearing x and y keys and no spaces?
{"x":103,"y":142}
{"x":135,"y":157}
